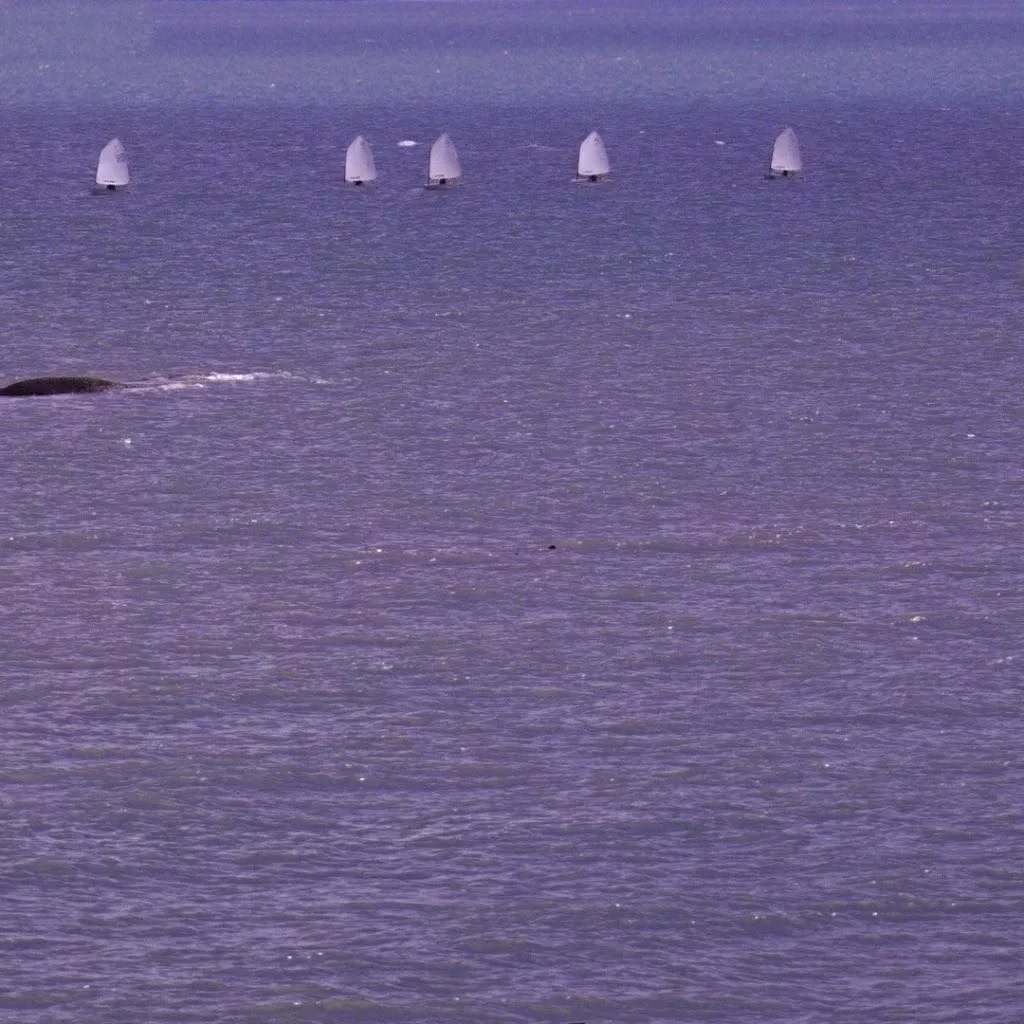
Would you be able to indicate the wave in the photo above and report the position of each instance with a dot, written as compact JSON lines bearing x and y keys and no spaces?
{"x":201,"y":380}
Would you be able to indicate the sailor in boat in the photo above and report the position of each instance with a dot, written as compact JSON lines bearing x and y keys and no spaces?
{"x":358,"y":181}
{"x":111,"y":188}
{"x":593,"y":177}
{"x":442,"y":181}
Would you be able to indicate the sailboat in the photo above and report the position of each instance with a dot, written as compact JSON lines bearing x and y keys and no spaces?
{"x":593,"y":163}
{"x":359,"y":166}
{"x":112,"y":168}
{"x":786,"y":162}
{"x":445,"y":168}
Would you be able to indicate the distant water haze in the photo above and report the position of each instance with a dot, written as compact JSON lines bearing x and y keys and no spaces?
{"x":306,"y":51}
{"x":528,"y":603}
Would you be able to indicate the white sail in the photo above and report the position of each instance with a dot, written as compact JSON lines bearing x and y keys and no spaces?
{"x":593,"y":162}
{"x":445,"y":168}
{"x":112,"y":168}
{"x":359,"y":165}
{"x":786,"y":154}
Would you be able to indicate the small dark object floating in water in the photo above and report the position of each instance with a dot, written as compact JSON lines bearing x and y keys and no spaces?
{"x":58,"y":386}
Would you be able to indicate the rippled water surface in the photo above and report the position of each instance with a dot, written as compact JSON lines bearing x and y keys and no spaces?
{"x":529,"y":603}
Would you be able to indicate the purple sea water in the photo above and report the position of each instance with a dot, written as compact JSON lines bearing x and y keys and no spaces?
{"x":531,"y":603}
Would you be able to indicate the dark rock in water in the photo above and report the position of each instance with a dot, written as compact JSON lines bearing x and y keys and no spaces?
{"x":58,"y":386}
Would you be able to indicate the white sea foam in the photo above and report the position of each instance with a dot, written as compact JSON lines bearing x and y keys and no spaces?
{"x":235,"y":376}
{"x":201,"y":380}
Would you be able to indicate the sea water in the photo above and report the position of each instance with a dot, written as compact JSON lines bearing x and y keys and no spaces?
{"x":531,"y":602}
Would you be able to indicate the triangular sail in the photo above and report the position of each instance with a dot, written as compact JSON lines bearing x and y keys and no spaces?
{"x":112,"y":168}
{"x":359,"y":165}
{"x":593,"y":162}
{"x":786,"y":154}
{"x":444,"y":161}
